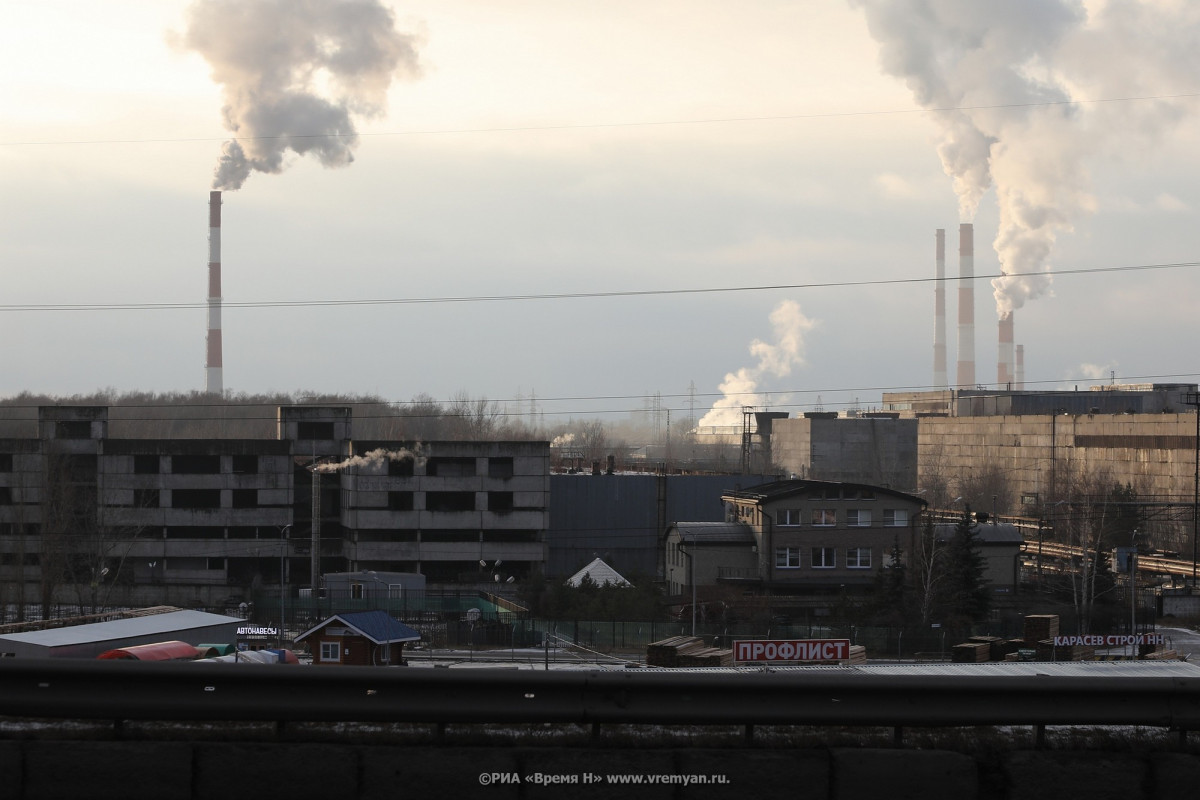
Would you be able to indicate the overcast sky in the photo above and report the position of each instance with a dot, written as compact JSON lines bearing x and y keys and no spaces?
{"x":540,"y":147}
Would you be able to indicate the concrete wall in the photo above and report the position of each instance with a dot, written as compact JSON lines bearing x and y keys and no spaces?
{"x":1040,"y":454}
{"x":877,"y":451}
{"x":204,"y":769}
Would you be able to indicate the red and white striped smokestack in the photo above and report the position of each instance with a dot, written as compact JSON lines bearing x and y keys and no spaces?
{"x":213,"y":381}
{"x":1020,"y":369}
{"x":966,"y":306}
{"x":1004,"y":358}
{"x":939,"y":313}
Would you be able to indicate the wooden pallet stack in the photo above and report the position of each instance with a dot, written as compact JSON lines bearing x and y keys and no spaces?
{"x":1047,"y":651}
{"x":971,"y":653}
{"x":668,"y":652}
{"x":1039,"y":627}
{"x":706,"y":657}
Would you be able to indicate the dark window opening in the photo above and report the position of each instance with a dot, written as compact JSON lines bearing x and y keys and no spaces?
{"x":196,"y":465}
{"x":196,"y":498}
{"x":314,"y":430}
{"x":145,"y":498}
{"x":145,"y":465}
{"x":450,"y":501}
{"x":243,"y":533}
{"x":387,"y":536}
{"x":195,"y":532}
{"x":402,"y":468}
{"x":451,"y":467}
{"x":500,"y":501}
{"x":245,"y":498}
{"x":73,"y":429}
{"x":400,"y":501}
{"x":216,"y":563}
{"x":500,"y":467}
{"x":450,"y":536}
{"x":245,"y":465}
{"x":5,"y":496}
{"x":510,"y":536}
{"x":6,"y":462}
{"x":79,"y":468}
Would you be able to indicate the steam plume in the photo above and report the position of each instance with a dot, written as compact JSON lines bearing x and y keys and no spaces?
{"x":294,"y":75}
{"x":1003,"y":77}
{"x":777,"y":360}
{"x":373,"y":458}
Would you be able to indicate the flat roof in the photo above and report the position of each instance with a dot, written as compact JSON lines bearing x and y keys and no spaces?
{"x":169,"y":622}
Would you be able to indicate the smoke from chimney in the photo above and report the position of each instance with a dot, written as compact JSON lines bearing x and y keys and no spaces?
{"x":1000,"y":78}
{"x":965,"y":376}
{"x":740,"y":388}
{"x":213,"y":379}
{"x":939,"y":311}
{"x":295,"y":74}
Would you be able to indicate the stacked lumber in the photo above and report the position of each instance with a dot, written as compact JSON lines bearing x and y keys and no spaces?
{"x":1163,"y":655}
{"x":1046,"y":651}
{"x":995,"y":645}
{"x":1039,"y":627}
{"x":668,"y":652}
{"x":971,"y":653}
{"x":705,"y":657}
{"x":858,"y":655}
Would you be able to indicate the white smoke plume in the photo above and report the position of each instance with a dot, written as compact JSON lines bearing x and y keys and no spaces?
{"x":1004,"y":80}
{"x":374,"y":458}
{"x":775,"y":360}
{"x":294,"y":75}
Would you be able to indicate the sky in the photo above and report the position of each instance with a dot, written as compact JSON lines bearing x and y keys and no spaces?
{"x":700,"y":205}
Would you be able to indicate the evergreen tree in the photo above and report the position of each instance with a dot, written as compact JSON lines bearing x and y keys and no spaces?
{"x":964,"y":591}
{"x":892,"y":598}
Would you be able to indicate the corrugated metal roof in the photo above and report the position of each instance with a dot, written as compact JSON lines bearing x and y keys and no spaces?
{"x":713,"y":532}
{"x":1076,"y":669}
{"x":120,"y":629}
{"x":378,"y":626}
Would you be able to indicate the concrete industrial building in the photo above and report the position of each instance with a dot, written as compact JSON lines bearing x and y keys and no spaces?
{"x":94,"y":520}
{"x":877,"y":449}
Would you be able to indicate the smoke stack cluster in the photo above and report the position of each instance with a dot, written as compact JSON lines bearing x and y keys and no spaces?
{"x":965,"y":378}
{"x":1004,"y":361}
{"x":213,"y":383}
{"x":940,"y":380}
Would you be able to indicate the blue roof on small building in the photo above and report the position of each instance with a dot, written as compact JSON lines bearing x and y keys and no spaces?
{"x":378,"y":626}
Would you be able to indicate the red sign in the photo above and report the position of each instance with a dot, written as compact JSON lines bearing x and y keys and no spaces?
{"x":791,"y":650}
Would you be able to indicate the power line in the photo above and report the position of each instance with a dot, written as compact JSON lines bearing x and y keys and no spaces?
{"x":19,"y":307}
{"x":610,"y":125}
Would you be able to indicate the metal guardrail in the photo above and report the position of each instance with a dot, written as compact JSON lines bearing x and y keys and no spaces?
{"x":65,"y":689}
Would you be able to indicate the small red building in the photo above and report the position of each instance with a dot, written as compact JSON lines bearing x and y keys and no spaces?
{"x":361,"y":638}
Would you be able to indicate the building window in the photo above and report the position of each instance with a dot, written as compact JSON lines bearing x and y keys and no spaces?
{"x":858,"y":518}
{"x":500,"y":467}
{"x":196,"y":498}
{"x":858,"y":557}
{"x":787,"y":557}
{"x":400,"y":501}
{"x":245,"y":465}
{"x":895,"y":517}
{"x":448,"y":467}
{"x":145,"y":498}
{"x":6,"y":462}
{"x":73,"y":429}
{"x":245,"y":498}
{"x":450,"y":501}
{"x":824,"y":558}
{"x":500,"y":501}
{"x":400,"y":468}
{"x":5,"y":496}
{"x":145,"y":465}
{"x":196,"y":465}
{"x":356,"y":591}
{"x":788,"y":516}
{"x":314,"y":430}
{"x":824,"y":517}
{"x":331,"y":651}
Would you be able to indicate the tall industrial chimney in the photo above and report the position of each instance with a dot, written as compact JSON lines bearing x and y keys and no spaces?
{"x":966,"y":306}
{"x":940,"y":380}
{"x":1020,"y":368}
{"x":1004,"y":357}
{"x":212,"y":378}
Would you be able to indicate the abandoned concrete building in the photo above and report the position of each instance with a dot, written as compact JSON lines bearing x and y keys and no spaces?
{"x":97,"y":520}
